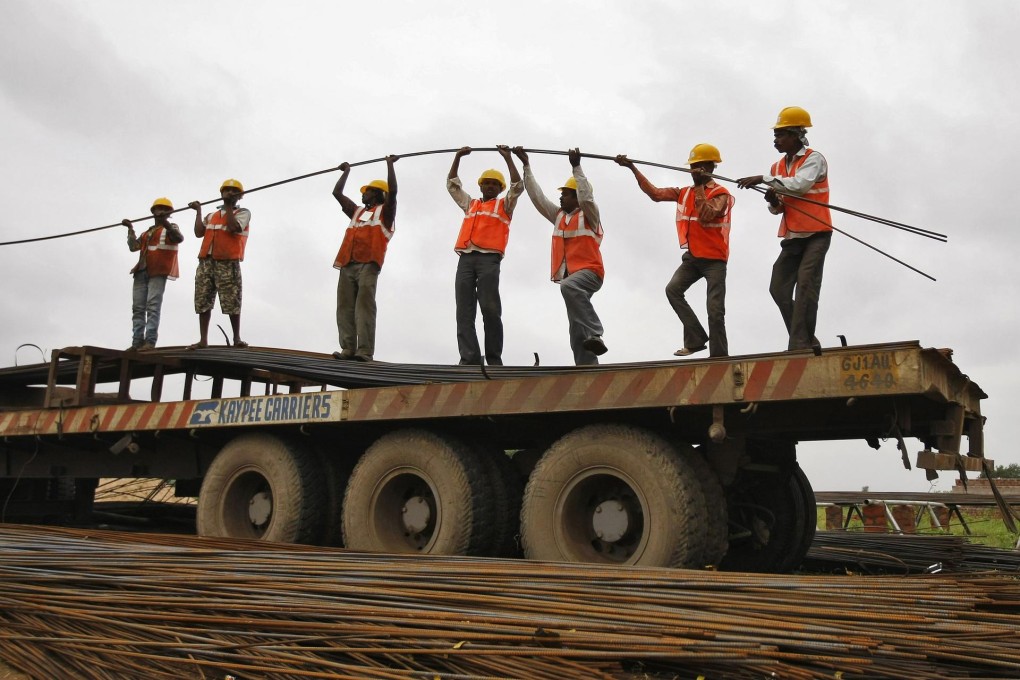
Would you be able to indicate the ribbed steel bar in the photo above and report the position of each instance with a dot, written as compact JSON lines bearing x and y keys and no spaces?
{"x":164,"y":605}
{"x":906,"y":553}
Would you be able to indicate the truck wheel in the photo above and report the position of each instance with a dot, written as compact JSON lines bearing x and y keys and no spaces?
{"x":507,"y":490}
{"x":767,"y":522}
{"x":336,"y":470}
{"x":804,"y":495}
{"x":717,"y":531}
{"x":417,"y":492}
{"x":614,"y":494}
{"x":261,"y":486}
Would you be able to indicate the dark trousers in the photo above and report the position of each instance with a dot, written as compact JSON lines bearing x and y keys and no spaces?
{"x":691,"y":270}
{"x":582,"y":321}
{"x":799,"y":266}
{"x":477,"y":285}
{"x":355,"y":308}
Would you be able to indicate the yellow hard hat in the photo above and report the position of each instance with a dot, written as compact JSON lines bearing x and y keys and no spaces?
{"x":379,"y":184}
{"x":165,"y":202}
{"x":493,"y":174}
{"x":704,"y":152}
{"x":231,"y":184}
{"x":792,"y":116}
{"x":571,"y":184}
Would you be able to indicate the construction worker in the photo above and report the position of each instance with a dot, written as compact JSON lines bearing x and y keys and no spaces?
{"x":224,"y":235}
{"x":360,"y":260}
{"x":481,"y":245}
{"x":157,"y":262}
{"x":806,"y":228}
{"x":703,"y":226}
{"x":576,"y":257}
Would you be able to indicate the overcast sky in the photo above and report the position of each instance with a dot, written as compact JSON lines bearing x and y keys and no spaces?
{"x":106,"y":105}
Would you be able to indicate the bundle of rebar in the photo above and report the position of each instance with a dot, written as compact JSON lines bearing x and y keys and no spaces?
{"x":905,"y":553}
{"x":138,"y":490}
{"x":92,"y":604}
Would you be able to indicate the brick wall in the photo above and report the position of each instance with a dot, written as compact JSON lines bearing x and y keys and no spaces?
{"x":1007,"y":486}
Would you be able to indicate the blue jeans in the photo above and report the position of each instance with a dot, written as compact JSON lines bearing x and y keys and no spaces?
{"x":147,"y":299}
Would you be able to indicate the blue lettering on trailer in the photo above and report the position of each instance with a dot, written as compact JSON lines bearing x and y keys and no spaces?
{"x":277,"y":408}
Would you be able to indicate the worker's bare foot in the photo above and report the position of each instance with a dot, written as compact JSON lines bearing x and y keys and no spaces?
{"x":240,"y":343}
{"x":198,"y":345}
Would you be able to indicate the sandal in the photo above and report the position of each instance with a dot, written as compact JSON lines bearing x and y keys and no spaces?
{"x":240,"y":344}
{"x":197,"y":345}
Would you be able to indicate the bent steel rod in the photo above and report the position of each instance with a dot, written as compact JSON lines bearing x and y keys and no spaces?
{"x":873,"y":218}
{"x":787,"y":206}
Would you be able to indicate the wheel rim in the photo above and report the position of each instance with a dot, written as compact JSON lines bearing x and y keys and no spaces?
{"x":248,"y":504}
{"x":600,"y":517}
{"x":405,"y":513}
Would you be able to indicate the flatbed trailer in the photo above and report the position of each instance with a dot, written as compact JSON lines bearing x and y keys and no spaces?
{"x":679,"y":463}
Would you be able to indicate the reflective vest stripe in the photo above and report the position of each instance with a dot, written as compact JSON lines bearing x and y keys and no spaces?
{"x":162,"y":243}
{"x":364,"y":219}
{"x":581,"y":230}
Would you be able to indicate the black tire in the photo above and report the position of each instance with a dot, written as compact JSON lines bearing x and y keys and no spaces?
{"x":336,"y":469}
{"x":614,"y":494}
{"x":717,"y":531}
{"x":804,"y":495}
{"x":264,"y":487}
{"x":524,"y":461}
{"x":507,"y":491}
{"x":767,"y":522}
{"x":417,"y":492}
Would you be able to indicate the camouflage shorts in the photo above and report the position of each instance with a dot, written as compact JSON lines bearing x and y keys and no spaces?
{"x":222,"y":276}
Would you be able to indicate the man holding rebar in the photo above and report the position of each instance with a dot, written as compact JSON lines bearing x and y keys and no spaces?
{"x":703,"y":227}
{"x":360,"y":260}
{"x":481,"y":245}
{"x":157,"y":262}
{"x":224,"y":234}
{"x":576,"y":255}
{"x":805,"y":227}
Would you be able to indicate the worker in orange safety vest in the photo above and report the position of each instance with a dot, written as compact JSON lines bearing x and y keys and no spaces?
{"x":360,"y":260}
{"x":157,"y":262}
{"x":481,"y":246}
{"x":224,"y":235}
{"x":703,"y":227}
{"x":806,"y":228}
{"x":576,"y":253}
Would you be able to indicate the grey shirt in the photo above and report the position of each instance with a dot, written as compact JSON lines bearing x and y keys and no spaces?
{"x":549,"y":209}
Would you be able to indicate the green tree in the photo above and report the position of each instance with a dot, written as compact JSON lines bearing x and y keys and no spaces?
{"x":1011,"y":471}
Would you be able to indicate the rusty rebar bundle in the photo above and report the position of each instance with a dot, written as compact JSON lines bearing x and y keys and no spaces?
{"x":91,"y":604}
{"x":905,"y":553}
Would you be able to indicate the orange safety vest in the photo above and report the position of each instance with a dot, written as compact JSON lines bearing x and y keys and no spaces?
{"x":486,"y":225}
{"x":219,"y":243}
{"x":366,"y":238}
{"x":575,"y":245}
{"x":803,"y":216}
{"x":160,"y":255}
{"x":710,"y":241}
